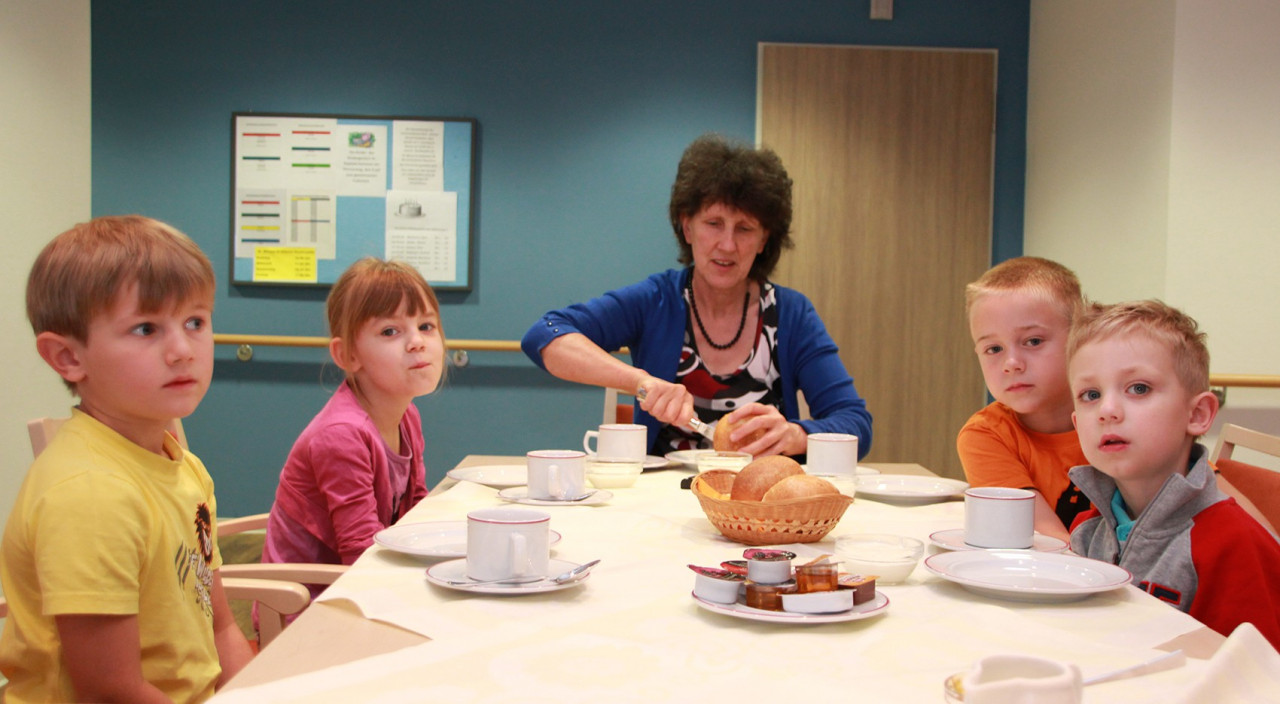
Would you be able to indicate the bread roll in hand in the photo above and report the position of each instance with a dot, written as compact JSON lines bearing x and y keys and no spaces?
{"x":722,"y":441}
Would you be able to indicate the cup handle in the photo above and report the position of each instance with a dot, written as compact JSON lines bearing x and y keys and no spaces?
{"x":519,"y":555}
{"x":555,"y":483}
{"x":586,"y":440}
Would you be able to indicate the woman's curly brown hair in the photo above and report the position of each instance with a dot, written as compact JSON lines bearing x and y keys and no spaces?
{"x":716,"y":170}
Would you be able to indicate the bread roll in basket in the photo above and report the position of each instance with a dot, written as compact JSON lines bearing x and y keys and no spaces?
{"x":800,"y":520}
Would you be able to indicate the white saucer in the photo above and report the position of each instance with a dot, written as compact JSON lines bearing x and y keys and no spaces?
{"x":431,"y":539}
{"x":1025,"y":575}
{"x":910,"y":489}
{"x":875,"y":607}
{"x":454,"y":570}
{"x":520,"y":495}
{"x":954,"y":540}
{"x":498,"y":476}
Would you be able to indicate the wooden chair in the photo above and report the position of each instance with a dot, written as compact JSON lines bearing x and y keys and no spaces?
{"x":615,"y":412}
{"x":1259,"y":485}
{"x":277,"y":600}
{"x":42,"y":430}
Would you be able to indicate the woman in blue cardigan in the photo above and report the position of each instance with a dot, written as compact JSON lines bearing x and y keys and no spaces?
{"x":716,"y":339}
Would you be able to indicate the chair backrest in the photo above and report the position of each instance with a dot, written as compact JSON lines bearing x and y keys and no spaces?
{"x":1233,"y":436}
{"x":42,"y":430}
{"x":615,"y":412}
{"x":1259,"y":485}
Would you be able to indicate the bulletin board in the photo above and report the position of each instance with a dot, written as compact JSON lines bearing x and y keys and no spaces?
{"x":313,"y":193}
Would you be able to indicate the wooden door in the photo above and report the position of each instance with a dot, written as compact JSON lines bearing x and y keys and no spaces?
{"x":891,"y":154}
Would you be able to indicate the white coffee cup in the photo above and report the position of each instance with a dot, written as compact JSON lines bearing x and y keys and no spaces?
{"x":832,"y":453}
{"x":507,"y":543}
{"x":556,"y":475}
{"x":999,"y":517}
{"x":618,"y":440}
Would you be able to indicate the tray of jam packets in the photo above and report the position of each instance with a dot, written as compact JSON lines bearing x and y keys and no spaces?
{"x":765,"y":586}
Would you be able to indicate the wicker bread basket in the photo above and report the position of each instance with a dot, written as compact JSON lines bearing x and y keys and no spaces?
{"x":803,"y":520}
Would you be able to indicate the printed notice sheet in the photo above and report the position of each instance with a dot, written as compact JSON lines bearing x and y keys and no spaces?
{"x":422,"y":230}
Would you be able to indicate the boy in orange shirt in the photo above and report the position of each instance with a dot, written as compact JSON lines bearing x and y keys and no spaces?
{"x":1020,"y":313}
{"x":110,"y":558}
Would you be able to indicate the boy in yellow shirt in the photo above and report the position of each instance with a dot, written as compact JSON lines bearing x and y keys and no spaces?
{"x":110,"y":560}
{"x":1020,"y":313}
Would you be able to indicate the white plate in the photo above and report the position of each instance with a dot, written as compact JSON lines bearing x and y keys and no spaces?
{"x":520,"y":495}
{"x":688,"y":458}
{"x":498,"y":476}
{"x":859,"y":471}
{"x":954,"y":540}
{"x":1024,"y":575}
{"x":655,"y":462}
{"x":910,"y":488}
{"x":875,"y":607}
{"x":431,"y":539}
{"x":443,"y":573}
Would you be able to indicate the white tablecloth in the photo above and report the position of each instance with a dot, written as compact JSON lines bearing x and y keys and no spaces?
{"x":632,"y":632}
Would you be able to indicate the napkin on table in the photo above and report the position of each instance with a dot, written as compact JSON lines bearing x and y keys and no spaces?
{"x":1245,"y":669}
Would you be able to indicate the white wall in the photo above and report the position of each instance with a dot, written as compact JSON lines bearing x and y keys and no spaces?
{"x":1154,"y":167}
{"x":44,"y":189}
{"x":1098,"y":124}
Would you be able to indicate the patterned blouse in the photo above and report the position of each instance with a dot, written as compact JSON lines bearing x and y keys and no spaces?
{"x":756,"y":380}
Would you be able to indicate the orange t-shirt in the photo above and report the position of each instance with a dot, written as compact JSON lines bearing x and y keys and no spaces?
{"x":997,"y":451}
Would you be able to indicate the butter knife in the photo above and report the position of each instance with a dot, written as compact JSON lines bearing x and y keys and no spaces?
{"x":706,"y":430}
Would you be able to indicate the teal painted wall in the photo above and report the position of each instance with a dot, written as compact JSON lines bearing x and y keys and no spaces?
{"x":583,"y":106}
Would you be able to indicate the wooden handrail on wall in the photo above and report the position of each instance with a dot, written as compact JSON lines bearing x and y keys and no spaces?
{"x":291,"y":341}
{"x":457,"y":348}
{"x":246,"y":342}
{"x":1263,"y":381}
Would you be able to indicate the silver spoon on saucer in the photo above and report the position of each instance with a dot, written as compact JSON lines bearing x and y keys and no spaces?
{"x":573,"y":575}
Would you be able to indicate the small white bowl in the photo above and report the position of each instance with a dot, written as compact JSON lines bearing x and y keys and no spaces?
{"x":606,"y":473}
{"x":819,"y":602}
{"x":846,"y":484}
{"x":721,"y":459}
{"x":891,"y":558}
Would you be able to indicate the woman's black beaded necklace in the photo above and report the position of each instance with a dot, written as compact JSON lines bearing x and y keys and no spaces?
{"x":742,"y":325}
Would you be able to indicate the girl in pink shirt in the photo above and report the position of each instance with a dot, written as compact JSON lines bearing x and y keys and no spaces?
{"x":357,"y":467}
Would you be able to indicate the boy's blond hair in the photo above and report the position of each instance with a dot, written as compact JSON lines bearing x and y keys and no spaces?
{"x":82,"y":272}
{"x":1046,"y":277}
{"x":1159,"y":322}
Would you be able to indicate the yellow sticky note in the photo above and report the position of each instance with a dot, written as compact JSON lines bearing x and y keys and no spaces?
{"x":285,"y":264}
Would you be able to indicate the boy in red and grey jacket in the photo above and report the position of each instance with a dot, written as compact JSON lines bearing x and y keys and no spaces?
{"x":1139,"y":375}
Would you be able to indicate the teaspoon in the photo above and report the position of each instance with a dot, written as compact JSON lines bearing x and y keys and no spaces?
{"x":573,"y":575}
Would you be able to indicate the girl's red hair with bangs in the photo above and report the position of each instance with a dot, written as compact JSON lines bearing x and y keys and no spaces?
{"x":373,"y":288}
